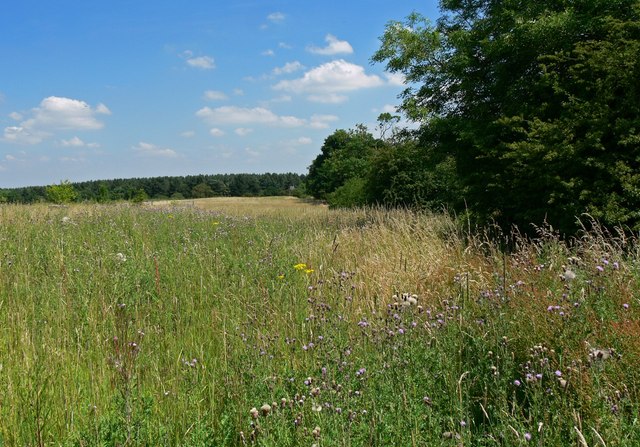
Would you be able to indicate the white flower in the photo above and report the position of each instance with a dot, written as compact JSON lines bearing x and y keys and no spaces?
{"x":121,"y":257}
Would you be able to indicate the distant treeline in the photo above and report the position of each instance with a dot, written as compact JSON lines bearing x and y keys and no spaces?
{"x":179,"y":187}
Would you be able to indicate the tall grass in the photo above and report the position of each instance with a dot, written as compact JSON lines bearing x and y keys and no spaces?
{"x":295,"y":325}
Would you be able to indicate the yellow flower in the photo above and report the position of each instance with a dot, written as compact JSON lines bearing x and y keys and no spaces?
{"x":300,"y":266}
{"x":308,"y":271}
{"x":215,"y":223}
{"x":280,"y":276}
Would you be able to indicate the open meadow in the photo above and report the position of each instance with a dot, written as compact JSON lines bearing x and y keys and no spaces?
{"x":276,"y":322}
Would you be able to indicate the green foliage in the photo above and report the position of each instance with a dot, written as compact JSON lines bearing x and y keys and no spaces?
{"x":537,"y":103}
{"x":61,"y":193}
{"x":139,"y":196}
{"x":201,"y":190}
{"x":268,"y":184}
{"x":166,"y":326}
{"x":345,"y":155}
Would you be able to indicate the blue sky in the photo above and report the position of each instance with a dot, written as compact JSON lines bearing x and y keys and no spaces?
{"x":116,"y":89}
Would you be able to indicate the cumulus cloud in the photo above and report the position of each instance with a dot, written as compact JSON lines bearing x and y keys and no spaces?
{"x":214,"y":95}
{"x":396,"y":79}
{"x":289,"y":67}
{"x":241,"y":115}
{"x":268,"y":53}
{"x":326,"y":82}
{"x":334,"y":46}
{"x":203,"y":62}
{"x":215,"y":132}
{"x":73,"y":142}
{"x":188,"y":134}
{"x":16,"y":116}
{"x":53,"y":114}
{"x":304,"y":140}
{"x":151,"y":150}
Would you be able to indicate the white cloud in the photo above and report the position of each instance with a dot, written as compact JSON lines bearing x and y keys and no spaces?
{"x":241,"y":115}
{"x":214,"y":95}
{"x":10,"y":157}
{"x":243,"y":131}
{"x":321,"y":121}
{"x":216,"y":132}
{"x":396,"y":79}
{"x":289,"y":67}
{"x":304,"y":140}
{"x":334,"y":46}
{"x":276,"y":17}
{"x":325,"y":82}
{"x":238,"y":92}
{"x":203,"y":62}
{"x":151,"y":150}
{"x":188,"y":134}
{"x":284,"y":45}
{"x":55,"y":113}
{"x":73,"y":142}
{"x":15,"y":116}
{"x":268,"y":53}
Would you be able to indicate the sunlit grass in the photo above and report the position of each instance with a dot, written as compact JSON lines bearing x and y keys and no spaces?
{"x":168,"y":324}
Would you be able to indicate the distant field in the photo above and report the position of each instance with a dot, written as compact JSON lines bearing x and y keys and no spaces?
{"x":249,"y":205}
{"x":276,"y":322}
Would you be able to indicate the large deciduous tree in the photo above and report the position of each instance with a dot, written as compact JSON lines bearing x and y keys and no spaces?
{"x":536,"y":101}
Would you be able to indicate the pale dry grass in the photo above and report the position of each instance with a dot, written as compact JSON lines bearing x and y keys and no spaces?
{"x":250,"y":206}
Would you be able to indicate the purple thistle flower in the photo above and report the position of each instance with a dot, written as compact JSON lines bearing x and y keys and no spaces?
{"x":527,"y":436}
{"x":558,"y":373}
{"x":517,"y":382}
{"x":599,"y":268}
{"x":625,"y":305}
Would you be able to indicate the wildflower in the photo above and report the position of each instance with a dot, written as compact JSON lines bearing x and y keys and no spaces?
{"x":120,"y":257}
{"x":300,"y":266}
{"x":254,"y":413}
{"x":427,"y":400}
{"x":527,"y":436}
{"x":463,"y":423}
{"x":517,"y":382}
{"x":558,"y":373}
{"x":316,"y":432}
{"x":361,"y":372}
{"x":599,"y":268}
{"x":281,"y":276}
{"x":316,"y":408}
{"x":625,"y":305}
{"x":265,"y":409}
{"x":308,"y":271}
{"x":569,"y":275}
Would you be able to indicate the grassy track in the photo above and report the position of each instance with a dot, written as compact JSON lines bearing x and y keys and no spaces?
{"x":281,"y":323}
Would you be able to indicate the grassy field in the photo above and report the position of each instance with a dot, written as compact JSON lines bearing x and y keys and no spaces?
{"x":276,"y":322}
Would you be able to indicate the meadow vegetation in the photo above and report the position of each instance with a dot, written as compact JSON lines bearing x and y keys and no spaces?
{"x":297,"y":325}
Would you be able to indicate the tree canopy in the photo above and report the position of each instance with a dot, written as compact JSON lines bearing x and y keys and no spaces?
{"x":535,"y":103}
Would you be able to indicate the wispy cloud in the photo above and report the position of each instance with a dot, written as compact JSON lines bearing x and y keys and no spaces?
{"x":276,"y":17}
{"x":289,"y":67}
{"x":242,"y":115}
{"x":201,"y":62}
{"x":214,"y":95}
{"x":334,"y":46}
{"x":151,"y":150}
